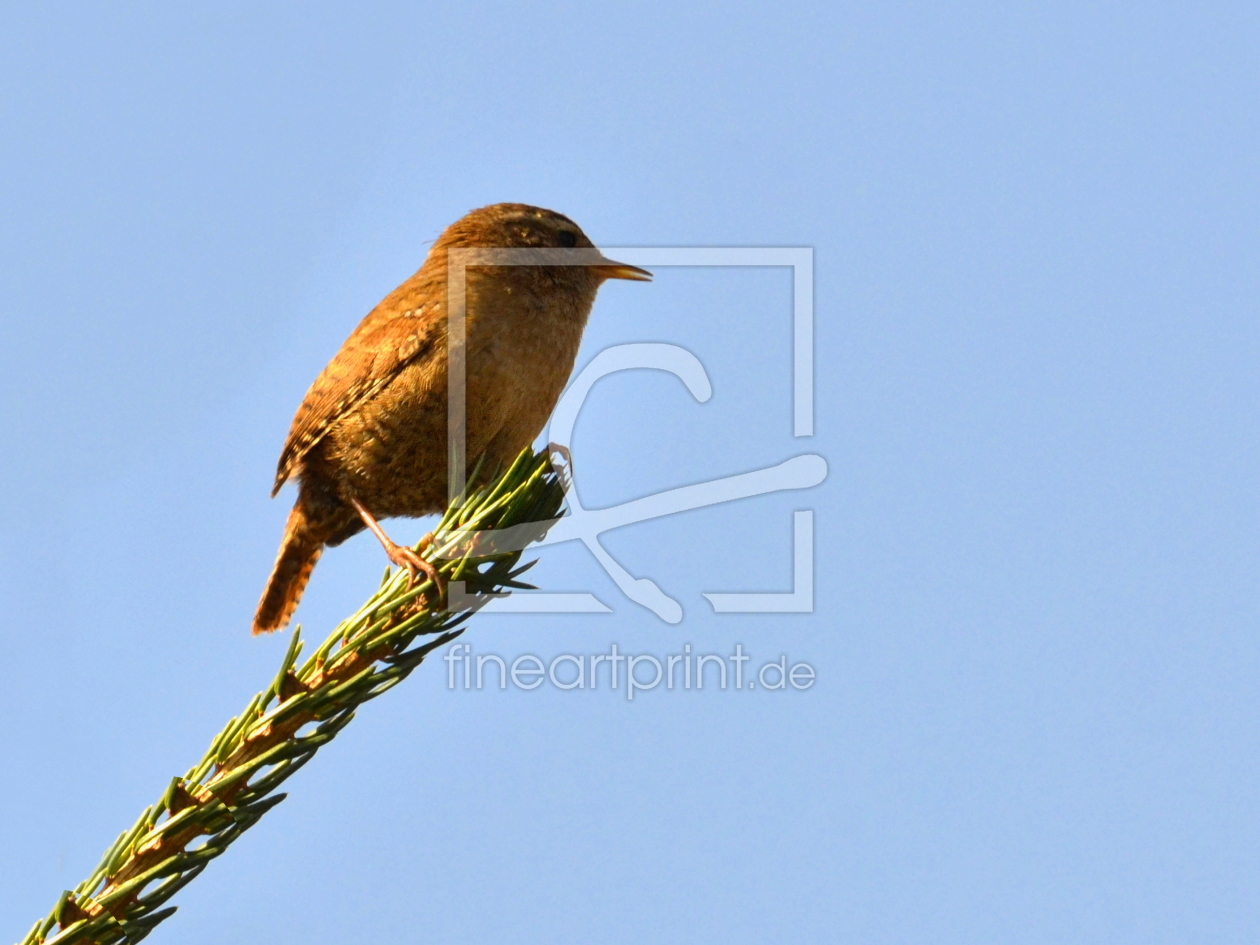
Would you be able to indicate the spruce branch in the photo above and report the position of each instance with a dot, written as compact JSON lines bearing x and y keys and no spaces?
{"x":479,"y":542}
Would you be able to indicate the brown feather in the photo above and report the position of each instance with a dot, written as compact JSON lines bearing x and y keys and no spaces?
{"x":299,"y":551}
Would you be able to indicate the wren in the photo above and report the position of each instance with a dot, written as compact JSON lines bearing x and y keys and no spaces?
{"x":370,"y":439}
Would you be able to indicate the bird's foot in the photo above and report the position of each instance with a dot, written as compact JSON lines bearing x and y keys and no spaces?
{"x":410,"y":559}
{"x":402,"y":556}
{"x":563,"y":469}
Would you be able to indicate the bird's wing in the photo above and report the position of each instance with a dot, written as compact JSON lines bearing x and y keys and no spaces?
{"x":371,"y":357}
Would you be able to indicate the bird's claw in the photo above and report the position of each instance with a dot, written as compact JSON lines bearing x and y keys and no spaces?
{"x":564,"y":469}
{"x":410,"y":559}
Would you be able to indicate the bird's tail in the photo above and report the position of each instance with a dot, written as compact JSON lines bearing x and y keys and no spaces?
{"x":300,"y":548}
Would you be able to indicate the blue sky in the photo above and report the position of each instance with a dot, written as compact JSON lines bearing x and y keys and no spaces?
{"x":1035,"y":239}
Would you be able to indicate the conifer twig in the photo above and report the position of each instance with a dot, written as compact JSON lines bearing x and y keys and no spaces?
{"x":305,"y":706}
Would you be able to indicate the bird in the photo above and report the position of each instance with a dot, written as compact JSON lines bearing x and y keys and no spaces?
{"x":369,"y":440}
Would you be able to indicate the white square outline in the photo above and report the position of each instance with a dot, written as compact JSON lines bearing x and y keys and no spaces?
{"x":800,"y":259}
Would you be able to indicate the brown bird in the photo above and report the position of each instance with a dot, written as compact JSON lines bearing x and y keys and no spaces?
{"x":370,"y":438}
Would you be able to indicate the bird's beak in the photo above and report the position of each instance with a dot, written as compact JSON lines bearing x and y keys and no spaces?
{"x":615,"y":270}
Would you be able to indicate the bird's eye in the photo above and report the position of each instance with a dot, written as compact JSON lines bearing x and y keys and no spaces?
{"x":568,"y":238}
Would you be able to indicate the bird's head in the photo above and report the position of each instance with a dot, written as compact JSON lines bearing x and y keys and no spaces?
{"x":520,"y":226}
